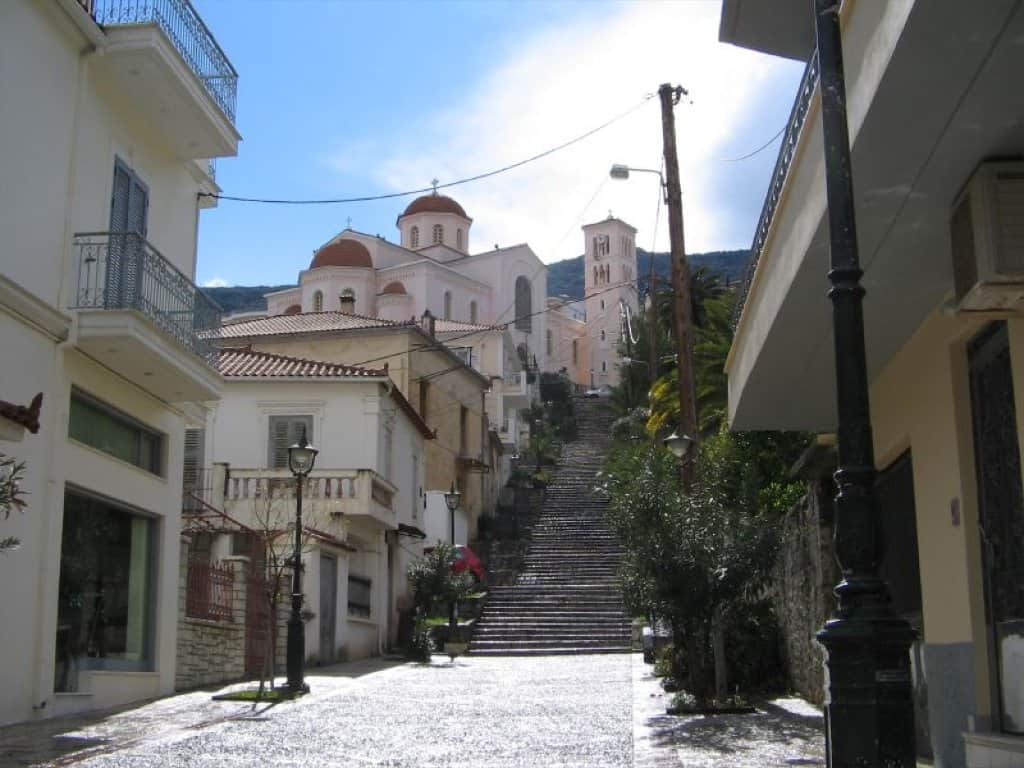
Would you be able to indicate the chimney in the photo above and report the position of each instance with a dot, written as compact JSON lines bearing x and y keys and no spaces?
{"x":428,"y":324}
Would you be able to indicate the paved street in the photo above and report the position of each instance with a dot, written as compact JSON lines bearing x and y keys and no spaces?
{"x":586,"y":711}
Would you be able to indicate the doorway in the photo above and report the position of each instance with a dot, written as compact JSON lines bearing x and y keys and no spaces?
{"x":328,"y":606}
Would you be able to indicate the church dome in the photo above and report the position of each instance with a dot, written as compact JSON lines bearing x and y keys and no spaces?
{"x":434,"y":203}
{"x":394,"y":288}
{"x":343,"y":253}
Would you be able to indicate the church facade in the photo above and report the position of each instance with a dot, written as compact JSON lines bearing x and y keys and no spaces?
{"x":496,"y":298}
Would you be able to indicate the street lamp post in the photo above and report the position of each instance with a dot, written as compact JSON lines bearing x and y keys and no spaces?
{"x":869,"y":718}
{"x":301,"y":458}
{"x":451,"y":500}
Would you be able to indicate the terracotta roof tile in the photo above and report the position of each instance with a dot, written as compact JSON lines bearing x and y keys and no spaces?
{"x":246,"y":363}
{"x":451,"y":326}
{"x":308,"y":322}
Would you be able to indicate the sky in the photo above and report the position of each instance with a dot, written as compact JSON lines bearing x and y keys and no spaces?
{"x":344,"y":99}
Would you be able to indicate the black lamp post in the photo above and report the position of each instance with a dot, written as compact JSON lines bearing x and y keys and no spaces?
{"x":301,"y":458}
{"x":869,"y":718}
{"x":451,"y":500}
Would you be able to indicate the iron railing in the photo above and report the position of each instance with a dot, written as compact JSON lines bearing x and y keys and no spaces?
{"x":187,"y":33}
{"x":787,"y":151}
{"x":208,"y":593}
{"x":122,"y":270}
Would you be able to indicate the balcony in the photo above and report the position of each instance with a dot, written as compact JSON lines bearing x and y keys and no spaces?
{"x":329,"y":497}
{"x":144,"y":319}
{"x":515,"y":389}
{"x":161,"y":57}
{"x":908,"y":166}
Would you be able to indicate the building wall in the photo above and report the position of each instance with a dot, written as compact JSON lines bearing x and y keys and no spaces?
{"x":921,"y":401}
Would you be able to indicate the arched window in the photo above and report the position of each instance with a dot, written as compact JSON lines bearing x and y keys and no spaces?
{"x":603,"y":336}
{"x":414,"y":237}
{"x":602,"y":303}
{"x":604,"y":367}
{"x":472,"y":311}
{"x":524,"y":304}
{"x":438,"y":234}
{"x":347,"y":300}
{"x":458,"y":238}
{"x":447,"y":305}
{"x":550,"y":341}
{"x":318,"y":301}
{"x":575,"y":352}
{"x":595,"y":275}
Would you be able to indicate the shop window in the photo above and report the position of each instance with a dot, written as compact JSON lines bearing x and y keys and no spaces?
{"x":106,"y":590}
{"x":103,"y":427}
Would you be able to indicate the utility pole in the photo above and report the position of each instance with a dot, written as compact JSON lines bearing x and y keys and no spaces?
{"x":869,"y":717}
{"x":681,"y":301}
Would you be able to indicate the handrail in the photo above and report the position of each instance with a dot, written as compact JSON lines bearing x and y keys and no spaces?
{"x":783,"y":162}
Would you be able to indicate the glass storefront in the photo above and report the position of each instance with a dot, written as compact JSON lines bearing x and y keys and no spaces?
{"x":105,"y":611}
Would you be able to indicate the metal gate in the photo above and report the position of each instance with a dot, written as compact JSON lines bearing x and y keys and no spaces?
{"x":258,"y":626}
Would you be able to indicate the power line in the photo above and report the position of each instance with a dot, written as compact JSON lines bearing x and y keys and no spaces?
{"x":423,"y":190}
{"x":756,"y":151}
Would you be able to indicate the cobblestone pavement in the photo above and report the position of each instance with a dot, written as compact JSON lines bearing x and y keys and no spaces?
{"x":601,"y":711}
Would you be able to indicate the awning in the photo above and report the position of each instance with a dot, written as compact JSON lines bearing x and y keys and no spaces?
{"x":411,"y":531}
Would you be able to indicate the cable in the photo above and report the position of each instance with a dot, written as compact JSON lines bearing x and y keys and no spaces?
{"x":423,"y":190}
{"x":756,"y":151}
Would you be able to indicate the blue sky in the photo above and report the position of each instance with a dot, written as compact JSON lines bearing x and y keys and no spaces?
{"x":339,"y":99}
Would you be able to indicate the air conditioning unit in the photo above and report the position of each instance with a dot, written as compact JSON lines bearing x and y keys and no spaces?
{"x":987,"y":233}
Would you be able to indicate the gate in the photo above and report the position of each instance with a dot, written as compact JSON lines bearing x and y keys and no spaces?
{"x":258,"y":626}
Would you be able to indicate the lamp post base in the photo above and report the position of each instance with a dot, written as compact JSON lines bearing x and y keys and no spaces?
{"x":296,"y":652}
{"x":869,"y":714}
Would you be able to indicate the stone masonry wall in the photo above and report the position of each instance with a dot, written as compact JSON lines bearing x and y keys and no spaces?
{"x":805,"y":574}
{"x":211,"y":651}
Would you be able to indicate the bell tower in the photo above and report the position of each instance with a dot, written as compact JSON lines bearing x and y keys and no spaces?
{"x":610,"y":280}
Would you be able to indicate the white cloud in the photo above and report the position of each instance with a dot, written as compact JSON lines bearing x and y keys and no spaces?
{"x":216,"y":282}
{"x":567,"y":80}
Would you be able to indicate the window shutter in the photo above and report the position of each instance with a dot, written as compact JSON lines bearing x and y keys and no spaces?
{"x":286,"y":431}
{"x":195,"y":447}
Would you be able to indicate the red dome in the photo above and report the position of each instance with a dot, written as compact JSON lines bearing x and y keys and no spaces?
{"x":294,"y":309}
{"x":343,"y":253}
{"x":434,"y":203}
{"x":395,"y":287}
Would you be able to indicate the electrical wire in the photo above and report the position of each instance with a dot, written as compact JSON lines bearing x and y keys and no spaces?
{"x":447,"y":185}
{"x":756,"y":151}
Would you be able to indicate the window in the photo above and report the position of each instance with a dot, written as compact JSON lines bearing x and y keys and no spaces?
{"x":602,"y":303}
{"x":389,"y":443}
{"x":193,"y":476}
{"x":447,"y":315}
{"x":414,"y":237}
{"x":286,"y":431}
{"x":359,"y":592}
{"x":424,"y":396}
{"x":105,"y":594}
{"x":603,"y":335}
{"x":318,"y":301}
{"x":463,"y":431}
{"x":347,"y":300}
{"x":524,"y":304}
{"x":575,"y":352}
{"x":549,"y":339}
{"x":105,"y":428}
{"x":472,"y":312}
{"x":604,"y":367}
{"x":438,"y":234}
{"x":458,"y":238}
{"x":595,"y":275}
{"x":417,"y":491}
{"x":129,"y":207}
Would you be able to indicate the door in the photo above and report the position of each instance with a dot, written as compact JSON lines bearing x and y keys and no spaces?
{"x":328,"y":606}
{"x":1000,"y":517}
{"x":129,"y":208}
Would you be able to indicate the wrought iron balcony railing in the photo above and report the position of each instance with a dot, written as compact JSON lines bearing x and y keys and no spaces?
{"x":187,"y":33}
{"x":790,"y":139}
{"x":120,"y":270}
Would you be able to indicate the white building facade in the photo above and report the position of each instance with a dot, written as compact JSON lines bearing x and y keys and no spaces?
{"x":108,"y":127}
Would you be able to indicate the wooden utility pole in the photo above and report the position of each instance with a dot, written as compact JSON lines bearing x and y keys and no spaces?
{"x":681,"y":302}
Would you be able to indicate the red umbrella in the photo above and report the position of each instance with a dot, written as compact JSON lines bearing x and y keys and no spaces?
{"x":466,"y":560}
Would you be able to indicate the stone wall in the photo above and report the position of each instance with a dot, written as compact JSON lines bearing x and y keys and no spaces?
{"x":211,"y":651}
{"x":805,"y":574}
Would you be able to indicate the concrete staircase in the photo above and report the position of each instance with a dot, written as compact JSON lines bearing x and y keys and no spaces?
{"x":567,"y":597}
